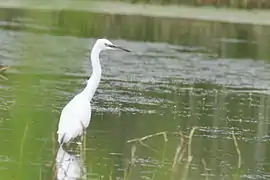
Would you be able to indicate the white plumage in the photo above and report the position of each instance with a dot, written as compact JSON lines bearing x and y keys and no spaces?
{"x":76,"y":115}
{"x":74,"y":119}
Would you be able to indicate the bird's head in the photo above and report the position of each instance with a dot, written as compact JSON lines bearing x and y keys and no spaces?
{"x":104,"y":44}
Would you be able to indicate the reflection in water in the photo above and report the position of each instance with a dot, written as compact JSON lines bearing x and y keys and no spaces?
{"x":228,"y":40}
{"x":69,"y":166}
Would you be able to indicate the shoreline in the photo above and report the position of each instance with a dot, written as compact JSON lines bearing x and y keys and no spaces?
{"x":227,"y":15}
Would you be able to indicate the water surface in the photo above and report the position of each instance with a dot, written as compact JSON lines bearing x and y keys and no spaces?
{"x":157,"y":88}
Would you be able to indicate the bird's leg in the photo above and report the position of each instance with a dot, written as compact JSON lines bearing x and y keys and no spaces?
{"x":84,"y":142}
{"x":81,"y":149}
{"x":80,"y":143}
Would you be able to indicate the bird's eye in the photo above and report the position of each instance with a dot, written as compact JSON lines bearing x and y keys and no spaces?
{"x":106,"y":44}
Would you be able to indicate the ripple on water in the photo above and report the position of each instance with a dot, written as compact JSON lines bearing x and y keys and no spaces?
{"x":184,"y":86}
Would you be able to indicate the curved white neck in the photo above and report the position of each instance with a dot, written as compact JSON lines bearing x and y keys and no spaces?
{"x":94,"y":80}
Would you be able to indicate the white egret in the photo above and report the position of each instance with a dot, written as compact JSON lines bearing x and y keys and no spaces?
{"x":75,"y":116}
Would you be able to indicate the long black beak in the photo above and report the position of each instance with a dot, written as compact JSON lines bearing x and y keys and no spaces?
{"x":117,"y":47}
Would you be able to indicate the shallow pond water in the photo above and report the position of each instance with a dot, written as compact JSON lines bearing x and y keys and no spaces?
{"x":158,"y":88}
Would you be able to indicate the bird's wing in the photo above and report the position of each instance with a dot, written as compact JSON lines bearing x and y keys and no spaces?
{"x":74,"y":118}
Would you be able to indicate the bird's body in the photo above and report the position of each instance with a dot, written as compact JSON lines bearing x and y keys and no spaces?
{"x":76,"y":115}
{"x":74,"y":119}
